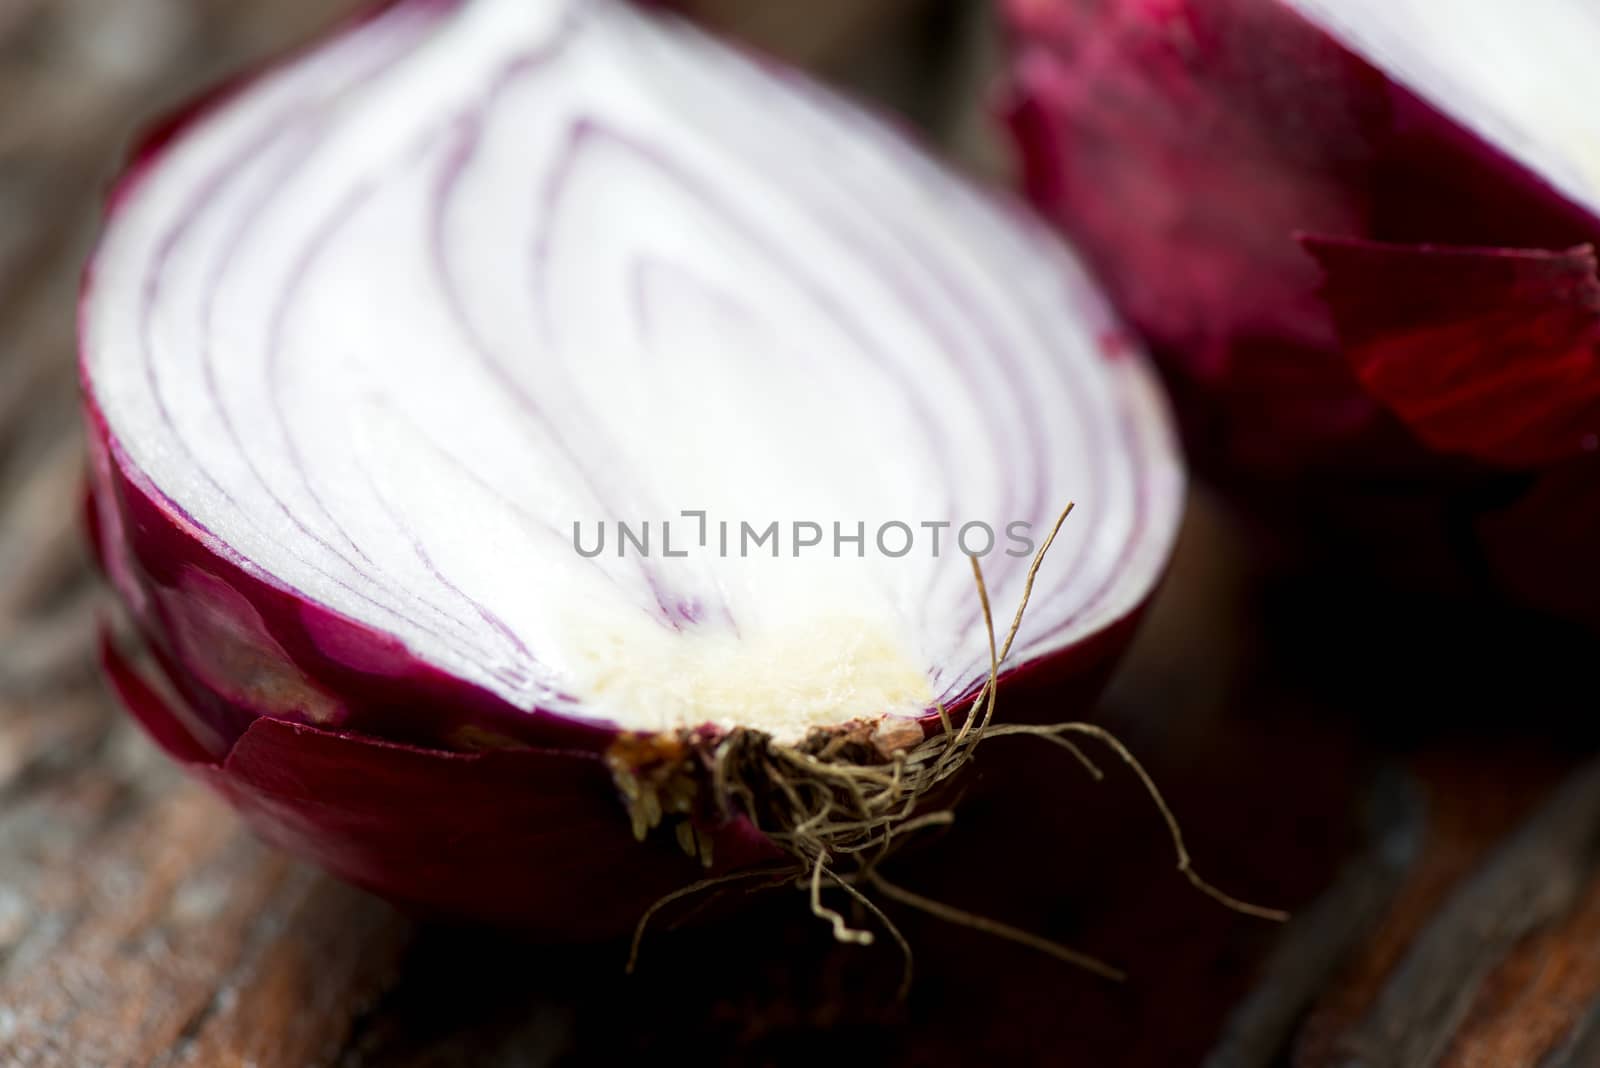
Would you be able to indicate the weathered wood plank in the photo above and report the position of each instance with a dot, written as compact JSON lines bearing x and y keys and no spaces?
{"x":1488,"y":954}
{"x":153,"y":930}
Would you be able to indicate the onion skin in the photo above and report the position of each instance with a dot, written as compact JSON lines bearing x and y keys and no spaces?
{"x":1485,"y":353}
{"x":453,"y":834}
{"x":1306,"y":245}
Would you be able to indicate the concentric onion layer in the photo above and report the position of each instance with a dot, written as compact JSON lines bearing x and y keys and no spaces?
{"x":403,"y":327}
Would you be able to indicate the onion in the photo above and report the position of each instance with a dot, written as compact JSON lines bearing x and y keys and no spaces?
{"x":1356,"y":236}
{"x":378,"y":345}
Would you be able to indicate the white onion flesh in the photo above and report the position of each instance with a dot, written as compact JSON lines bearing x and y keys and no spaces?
{"x":388,"y":323}
{"x":1525,"y":76}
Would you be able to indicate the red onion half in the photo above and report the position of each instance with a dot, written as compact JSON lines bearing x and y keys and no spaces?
{"x":376,"y":345}
{"x":1356,"y":235}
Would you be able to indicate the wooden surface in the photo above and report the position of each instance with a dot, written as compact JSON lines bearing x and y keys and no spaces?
{"x":1411,"y":781}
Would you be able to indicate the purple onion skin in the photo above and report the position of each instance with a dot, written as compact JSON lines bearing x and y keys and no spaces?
{"x":1206,"y":155}
{"x":526,"y":839}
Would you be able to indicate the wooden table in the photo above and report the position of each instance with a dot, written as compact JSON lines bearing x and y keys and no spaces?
{"x":1413,"y":783}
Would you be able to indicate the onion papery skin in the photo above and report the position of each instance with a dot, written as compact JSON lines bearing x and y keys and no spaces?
{"x":1326,"y":266}
{"x":338,"y":742}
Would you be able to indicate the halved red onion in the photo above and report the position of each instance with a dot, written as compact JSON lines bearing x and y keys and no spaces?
{"x":1355,"y":234}
{"x":376,"y":346}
